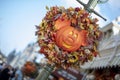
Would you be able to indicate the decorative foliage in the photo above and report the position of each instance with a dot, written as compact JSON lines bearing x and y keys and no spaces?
{"x":30,"y":69}
{"x":68,"y":37}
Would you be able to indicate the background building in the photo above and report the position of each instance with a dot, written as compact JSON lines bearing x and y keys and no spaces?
{"x":28,"y":54}
{"x":109,"y":49}
{"x":2,"y":57}
{"x":11,"y":56}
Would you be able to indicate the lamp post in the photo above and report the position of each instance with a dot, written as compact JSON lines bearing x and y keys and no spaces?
{"x":91,"y":5}
{"x":45,"y":72}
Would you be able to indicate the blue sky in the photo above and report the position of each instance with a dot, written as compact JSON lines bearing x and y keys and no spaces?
{"x":19,"y":17}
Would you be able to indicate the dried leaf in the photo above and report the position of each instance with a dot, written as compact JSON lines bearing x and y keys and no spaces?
{"x":47,"y":8}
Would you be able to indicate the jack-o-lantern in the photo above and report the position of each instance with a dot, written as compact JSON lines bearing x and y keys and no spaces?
{"x":29,"y":69}
{"x":70,"y":39}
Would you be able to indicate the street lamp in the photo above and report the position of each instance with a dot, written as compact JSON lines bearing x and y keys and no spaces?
{"x":91,"y":5}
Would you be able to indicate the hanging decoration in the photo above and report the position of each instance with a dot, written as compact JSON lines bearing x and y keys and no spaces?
{"x":68,"y":37}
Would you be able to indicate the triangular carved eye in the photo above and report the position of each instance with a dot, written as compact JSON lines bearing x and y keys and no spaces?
{"x":75,"y":35}
{"x":71,"y":32}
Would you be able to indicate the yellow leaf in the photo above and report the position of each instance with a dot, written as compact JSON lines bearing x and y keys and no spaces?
{"x":47,"y":8}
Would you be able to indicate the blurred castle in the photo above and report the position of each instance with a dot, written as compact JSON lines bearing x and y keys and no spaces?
{"x":28,"y":54}
{"x":2,"y":57}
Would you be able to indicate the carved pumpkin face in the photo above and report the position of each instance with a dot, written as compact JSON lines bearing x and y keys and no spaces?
{"x":69,"y":38}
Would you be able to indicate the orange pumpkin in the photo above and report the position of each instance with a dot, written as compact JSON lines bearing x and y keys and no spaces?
{"x":70,"y":39}
{"x":29,"y":68}
{"x":61,"y":22}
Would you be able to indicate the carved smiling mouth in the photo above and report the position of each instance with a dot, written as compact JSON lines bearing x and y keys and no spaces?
{"x":66,"y":45}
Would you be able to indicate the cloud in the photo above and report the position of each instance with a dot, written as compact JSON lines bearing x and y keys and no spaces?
{"x":114,"y":3}
{"x":115,"y":7}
